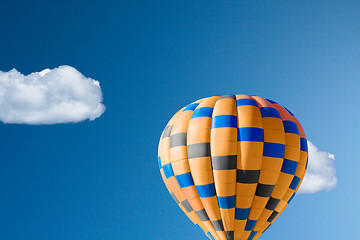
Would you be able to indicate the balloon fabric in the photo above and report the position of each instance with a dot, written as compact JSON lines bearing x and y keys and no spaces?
{"x":233,"y":163}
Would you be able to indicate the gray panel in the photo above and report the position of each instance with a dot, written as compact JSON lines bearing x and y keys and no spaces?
{"x":272,"y":203}
{"x":264,"y":190}
{"x":218,"y":225}
{"x":175,"y":198}
{"x":202,"y":215}
{"x":167,"y":131}
{"x":187,"y":206}
{"x":247,"y":176}
{"x":272,"y":216}
{"x":224,"y":162}
{"x":178,"y":139}
{"x":229,"y":235}
{"x":227,"y":96}
{"x":198,"y":150}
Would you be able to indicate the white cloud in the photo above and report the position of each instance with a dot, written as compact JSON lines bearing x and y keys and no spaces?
{"x":320,"y":174}
{"x":59,"y":95}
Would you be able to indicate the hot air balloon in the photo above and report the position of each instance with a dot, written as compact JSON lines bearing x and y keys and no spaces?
{"x":233,"y":163}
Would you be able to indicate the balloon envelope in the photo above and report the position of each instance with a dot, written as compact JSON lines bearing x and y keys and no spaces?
{"x":233,"y":163}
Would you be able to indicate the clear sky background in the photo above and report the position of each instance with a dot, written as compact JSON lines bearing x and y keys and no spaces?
{"x":99,"y":180}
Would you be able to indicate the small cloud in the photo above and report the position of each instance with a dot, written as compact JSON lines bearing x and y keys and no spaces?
{"x":59,"y":95}
{"x":320,"y":174}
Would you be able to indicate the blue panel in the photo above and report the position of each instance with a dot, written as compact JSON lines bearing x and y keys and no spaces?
{"x":295,"y":182}
{"x":185,"y":180}
{"x":207,"y":190}
{"x":303,"y":145}
{"x":290,"y":127}
{"x":224,"y":121}
{"x":159,"y":160}
{"x":271,"y":101}
{"x":250,"y":224}
{"x":242,"y":213}
{"x":250,"y":134}
{"x":291,"y":198}
{"x":168,"y":170}
{"x":226,"y":202}
{"x":252,"y":235}
{"x":289,"y":167}
{"x":289,"y":111}
{"x":191,"y":107}
{"x":269,"y":112}
{"x":202,"y":112}
{"x":245,"y":101}
{"x":274,"y":150}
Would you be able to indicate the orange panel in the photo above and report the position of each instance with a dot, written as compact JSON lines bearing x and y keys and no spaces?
{"x":178,"y":153}
{"x":225,"y":189}
{"x":225,"y":176}
{"x":255,"y":213}
{"x":292,"y":139}
{"x":251,"y":148}
{"x":300,"y":171}
{"x":225,"y":106}
{"x":245,"y":189}
{"x":268,"y":177}
{"x":223,"y":148}
{"x":181,"y":122}
{"x":227,"y":134}
{"x":200,"y":164}
{"x":244,"y":202}
{"x":249,"y":162}
{"x":202,"y":134}
{"x":190,"y":192}
{"x":284,"y":179}
{"x":272,"y":123}
{"x":280,"y":190}
{"x":274,"y":136}
{"x":180,"y":167}
{"x":203,"y":178}
{"x":272,"y":164}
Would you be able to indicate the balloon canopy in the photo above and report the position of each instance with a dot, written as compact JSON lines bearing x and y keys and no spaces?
{"x":233,"y":163}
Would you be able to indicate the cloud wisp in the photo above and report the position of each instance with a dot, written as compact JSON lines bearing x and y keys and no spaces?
{"x":59,"y":95}
{"x":320,"y":173}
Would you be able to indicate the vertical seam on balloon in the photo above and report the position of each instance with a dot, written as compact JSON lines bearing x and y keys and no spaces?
{"x":197,"y":218}
{"x":168,"y":124}
{"x":301,"y":131}
{"x":237,"y":146}
{"x":213,"y":175}
{"x":210,"y":222}
{"x":295,"y":190}
{"x":187,"y":129}
{"x":226,"y":207}
{"x":307,"y":157}
{"x":239,"y":159}
{"x":277,"y":180}
{"x":257,"y":184}
{"x":165,"y":179}
{"x":302,"y":177}
{"x":212,"y":169}
{"x":161,"y":152}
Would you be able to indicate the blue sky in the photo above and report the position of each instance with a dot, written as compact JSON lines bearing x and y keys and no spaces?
{"x":99,"y":179}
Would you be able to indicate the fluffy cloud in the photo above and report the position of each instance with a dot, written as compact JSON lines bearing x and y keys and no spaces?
{"x":320,"y":174}
{"x":59,"y":95}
